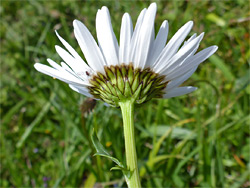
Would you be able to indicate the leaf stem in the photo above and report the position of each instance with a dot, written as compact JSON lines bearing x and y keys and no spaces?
{"x":127,"y":108}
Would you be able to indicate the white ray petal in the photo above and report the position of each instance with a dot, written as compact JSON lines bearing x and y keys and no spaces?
{"x":159,"y":44}
{"x":63,"y":76}
{"x":89,"y":47}
{"x":67,"y":58}
{"x":71,"y":61}
{"x":174,"y":44}
{"x":192,"y":62}
{"x":189,"y":40}
{"x":125,"y":38}
{"x":106,"y":37}
{"x":81,"y":90}
{"x":86,"y":75}
{"x":64,"y":69}
{"x":179,"y":91}
{"x":145,"y":37}
{"x":134,"y":40}
{"x":54,"y":64}
{"x":67,"y":68}
{"x":78,"y":60}
{"x":178,"y":81}
{"x":180,"y":56}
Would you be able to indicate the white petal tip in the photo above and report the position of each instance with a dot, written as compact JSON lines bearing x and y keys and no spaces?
{"x":104,"y":8}
{"x":165,"y":22}
{"x":125,"y":15}
{"x":153,"y":5}
{"x":189,"y":24}
{"x":38,"y":66}
{"x":56,"y":47}
{"x":215,"y":48}
{"x":178,"y":91}
{"x":202,"y":34}
{"x":200,"y":37}
{"x":76,"y":22}
{"x":192,"y":88}
{"x":189,"y":89}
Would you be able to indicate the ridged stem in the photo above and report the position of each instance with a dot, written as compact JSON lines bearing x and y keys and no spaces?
{"x":127,"y":108}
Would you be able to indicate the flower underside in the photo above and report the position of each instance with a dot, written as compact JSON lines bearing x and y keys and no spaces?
{"x":123,"y":82}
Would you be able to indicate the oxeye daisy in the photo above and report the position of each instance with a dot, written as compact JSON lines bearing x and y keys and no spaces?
{"x":141,"y":67}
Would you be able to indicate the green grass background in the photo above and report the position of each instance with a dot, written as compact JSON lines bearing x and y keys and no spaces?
{"x":196,"y":140}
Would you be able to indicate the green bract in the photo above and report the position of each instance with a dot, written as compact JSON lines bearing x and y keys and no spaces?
{"x":123,"y":83}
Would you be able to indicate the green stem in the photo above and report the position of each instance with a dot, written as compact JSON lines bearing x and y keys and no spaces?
{"x":127,"y":108}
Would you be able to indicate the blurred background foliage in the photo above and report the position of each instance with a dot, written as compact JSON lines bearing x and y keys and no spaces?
{"x":197,"y":140}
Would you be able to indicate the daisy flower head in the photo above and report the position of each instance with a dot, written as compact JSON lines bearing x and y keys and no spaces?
{"x":141,"y":67}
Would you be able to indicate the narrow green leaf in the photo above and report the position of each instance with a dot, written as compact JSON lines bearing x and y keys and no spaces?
{"x":219,"y":63}
{"x":90,"y":181}
{"x":216,"y":19}
{"x":242,"y":82}
{"x":38,"y":118}
{"x":12,"y":111}
{"x":101,"y":151}
{"x":177,"y":132}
